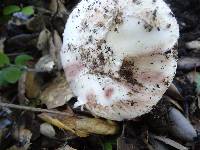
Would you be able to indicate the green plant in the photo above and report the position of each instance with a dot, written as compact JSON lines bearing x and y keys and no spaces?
{"x":8,"y":10}
{"x":10,"y":73}
{"x":108,"y":145}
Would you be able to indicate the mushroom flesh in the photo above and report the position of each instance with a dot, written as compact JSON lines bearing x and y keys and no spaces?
{"x":119,"y":56}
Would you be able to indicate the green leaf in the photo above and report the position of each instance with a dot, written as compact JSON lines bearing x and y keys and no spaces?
{"x":2,"y":80}
{"x":28,"y":10}
{"x":11,"y":9}
{"x":107,"y":146}
{"x":11,"y":74}
{"x":22,"y":59}
{"x":4,"y":60}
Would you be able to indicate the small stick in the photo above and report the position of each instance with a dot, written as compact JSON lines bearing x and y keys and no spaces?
{"x":33,"y":109}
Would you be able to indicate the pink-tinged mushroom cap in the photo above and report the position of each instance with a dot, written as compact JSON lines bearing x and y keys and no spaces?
{"x":119,"y":55}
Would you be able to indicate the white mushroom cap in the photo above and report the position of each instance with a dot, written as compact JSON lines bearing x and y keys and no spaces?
{"x":118,"y":55}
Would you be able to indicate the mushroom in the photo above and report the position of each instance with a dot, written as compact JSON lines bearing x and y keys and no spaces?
{"x":119,"y":56}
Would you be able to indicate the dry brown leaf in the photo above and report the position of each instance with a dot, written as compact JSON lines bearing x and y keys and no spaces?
{"x":36,"y":23}
{"x":93,"y":125}
{"x":23,"y":136}
{"x":45,"y":64}
{"x":28,"y":87}
{"x":66,"y":147}
{"x":22,"y":41}
{"x":52,"y":48}
{"x":123,"y":145}
{"x":193,"y":45}
{"x":188,"y":63}
{"x":170,"y":142}
{"x":49,"y":119}
{"x":58,"y":44}
{"x":57,"y":93}
{"x":158,"y":145}
{"x":82,"y":127}
{"x":180,"y":126}
{"x":21,"y":89}
{"x":42,"y":43}
{"x":192,"y":76}
{"x":174,"y":93}
{"x":167,"y":98}
{"x":58,"y":8}
{"x":32,"y":85}
{"x":55,"y":44}
{"x":14,"y":147}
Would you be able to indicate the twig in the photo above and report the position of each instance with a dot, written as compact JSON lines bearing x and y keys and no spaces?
{"x":33,"y":109}
{"x":34,"y":70}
